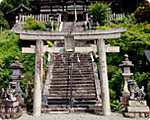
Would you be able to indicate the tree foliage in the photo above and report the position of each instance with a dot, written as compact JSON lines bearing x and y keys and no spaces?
{"x":8,"y":5}
{"x":3,"y":22}
{"x":142,"y":13}
{"x":133,"y":42}
{"x":100,"y":12}
{"x":11,"y":47}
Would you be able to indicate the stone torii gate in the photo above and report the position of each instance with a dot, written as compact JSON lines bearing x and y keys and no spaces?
{"x":69,"y":38}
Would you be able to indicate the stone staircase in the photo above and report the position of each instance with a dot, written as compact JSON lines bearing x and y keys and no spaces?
{"x":73,"y":26}
{"x":67,"y":26}
{"x":84,"y":96}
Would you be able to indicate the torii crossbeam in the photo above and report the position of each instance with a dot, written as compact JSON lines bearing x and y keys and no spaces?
{"x":40,"y":49}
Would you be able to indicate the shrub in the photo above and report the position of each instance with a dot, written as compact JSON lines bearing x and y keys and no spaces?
{"x":115,"y":105}
{"x":102,"y":27}
{"x":32,"y":24}
{"x":100,"y":12}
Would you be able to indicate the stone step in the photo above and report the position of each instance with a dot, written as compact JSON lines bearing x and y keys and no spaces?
{"x":74,"y":62}
{"x":74,"y":95}
{"x":62,"y":101}
{"x":77,"y":109}
{"x":68,"y":66}
{"x":63,"y":104}
{"x":62,"y":73}
{"x":74,"y":67}
{"x":80,"y":55}
{"x":73,"y":84}
{"x":85,"y":110}
{"x":68,"y":86}
{"x":74,"y":73}
{"x":77,"y":71}
{"x":73,"y":92}
{"x":55,"y":110}
{"x":73,"y":89}
{"x":84,"y":81}
{"x":77,"y":80}
{"x":90,"y":106}
{"x":87,"y":106}
{"x":74,"y":76}
{"x":75,"y":58}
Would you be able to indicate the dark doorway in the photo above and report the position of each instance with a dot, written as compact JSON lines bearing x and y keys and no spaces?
{"x":71,"y":17}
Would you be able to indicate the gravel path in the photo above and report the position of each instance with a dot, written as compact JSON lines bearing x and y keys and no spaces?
{"x":78,"y":116}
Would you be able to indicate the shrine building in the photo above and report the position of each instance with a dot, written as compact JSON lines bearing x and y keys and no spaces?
{"x":67,"y":7}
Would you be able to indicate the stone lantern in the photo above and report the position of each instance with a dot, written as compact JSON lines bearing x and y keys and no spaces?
{"x":17,"y":77}
{"x":126,"y":73}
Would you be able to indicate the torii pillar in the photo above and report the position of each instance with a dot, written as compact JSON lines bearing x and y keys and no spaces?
{"x":38,"y":79}
{"x":103,"y":77}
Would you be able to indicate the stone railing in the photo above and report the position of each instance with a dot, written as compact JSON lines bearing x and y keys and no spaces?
{"x":55,"y":19}
{"x":40,"y":17}
{"x":115,"y":16}
{"x":89,"y":22}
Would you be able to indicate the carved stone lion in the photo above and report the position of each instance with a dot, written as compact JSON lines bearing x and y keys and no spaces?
{"x":9,"y":93}
{"x":135,"y":92}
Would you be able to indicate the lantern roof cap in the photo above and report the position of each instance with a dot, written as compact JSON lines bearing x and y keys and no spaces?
{"x":16,"y":65}
{"x":126,"y":62}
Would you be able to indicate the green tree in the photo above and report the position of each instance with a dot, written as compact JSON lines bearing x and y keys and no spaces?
{"x":133,"y":42}
{"x":8,"y":5}
{"x":100,"y":12}
{"x":11,"y":47}
{"x":142,"y":13}
{"x":3,"y":22}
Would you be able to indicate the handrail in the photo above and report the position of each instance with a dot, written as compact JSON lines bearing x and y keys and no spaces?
{"x":71,"y":82}
{"x":72,"y":27}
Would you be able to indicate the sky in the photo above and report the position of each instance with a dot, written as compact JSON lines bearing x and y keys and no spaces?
{"x":0,"y":0}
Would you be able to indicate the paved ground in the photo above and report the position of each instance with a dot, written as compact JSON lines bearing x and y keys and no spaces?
{"x":80,"y":116}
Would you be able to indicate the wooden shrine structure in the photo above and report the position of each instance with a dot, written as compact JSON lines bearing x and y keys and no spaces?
{"x":66,"y":6}
{"x":99,"y":35}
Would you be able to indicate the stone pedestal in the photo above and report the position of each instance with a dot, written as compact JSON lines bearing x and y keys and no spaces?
{"x":22,"y":102}
{"x":137,"y":109}
{"x":19,"y":94}
{"x":9,"y":109}
{"x":124,"y":98}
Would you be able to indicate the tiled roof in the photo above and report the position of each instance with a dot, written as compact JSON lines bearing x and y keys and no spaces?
{"x":20,"y":6}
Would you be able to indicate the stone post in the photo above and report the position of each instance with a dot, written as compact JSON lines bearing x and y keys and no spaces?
{"x":38,"y":79}
{"x":104,"y":78}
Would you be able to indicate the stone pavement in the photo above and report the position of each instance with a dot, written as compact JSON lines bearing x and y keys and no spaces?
{"x":78,"y":116}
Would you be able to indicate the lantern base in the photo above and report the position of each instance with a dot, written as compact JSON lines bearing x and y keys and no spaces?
{"x":124,"y":98}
